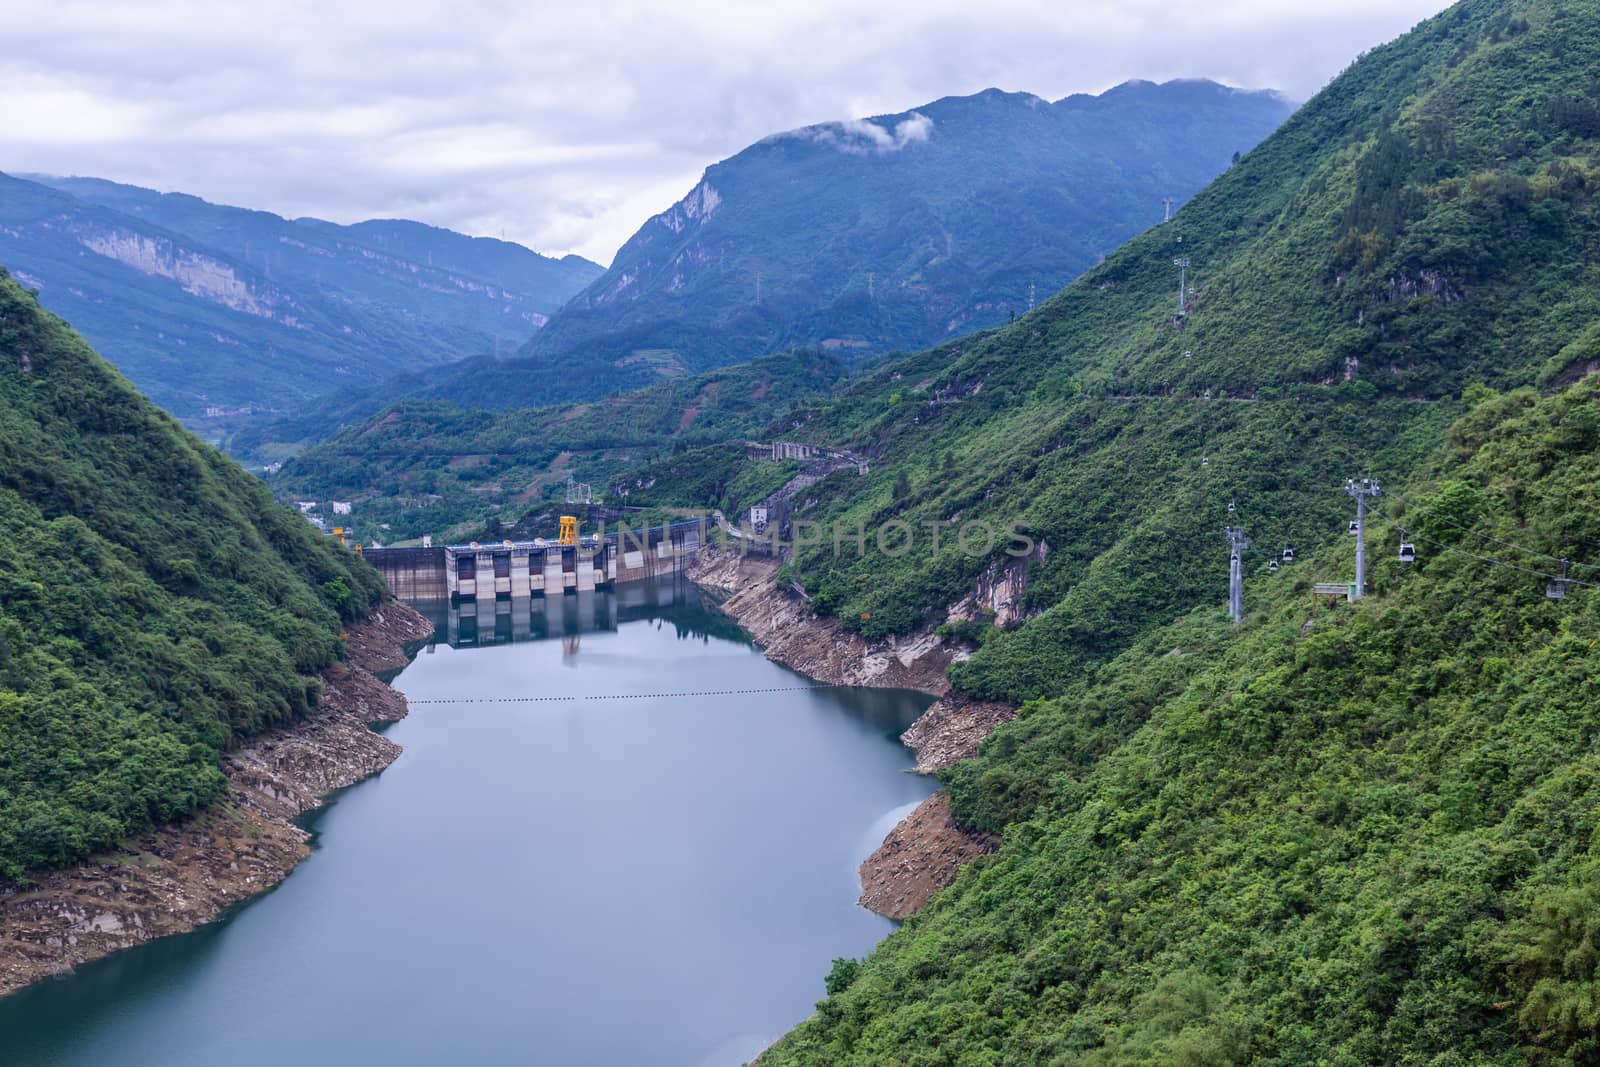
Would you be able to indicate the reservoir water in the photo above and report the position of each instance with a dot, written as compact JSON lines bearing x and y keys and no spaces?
{"x":618,"y":878}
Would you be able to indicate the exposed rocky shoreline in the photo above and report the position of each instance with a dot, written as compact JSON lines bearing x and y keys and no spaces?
{"x":925,"y":851}
{"x":175,"y":878}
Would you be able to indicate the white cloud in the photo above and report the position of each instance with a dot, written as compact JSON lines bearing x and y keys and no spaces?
{"x":565,"y":125}
{"x":863,"y":136}
{"x":54,"y":111}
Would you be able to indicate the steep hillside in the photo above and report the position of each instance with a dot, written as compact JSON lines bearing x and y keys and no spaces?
{"x":1337,"y":833}
{"x":394,"y":256}
{"x":1426,"y":223}
{"x":883,"y":234}
{"x":1364,"y":834}
{"x":155,"y":602}
{"x":212,"y":307}
{"x":429,"y":467}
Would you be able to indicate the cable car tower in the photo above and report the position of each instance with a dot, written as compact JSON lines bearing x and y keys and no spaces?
{"x":1361,"y":489}
{"x":1237,"y":543}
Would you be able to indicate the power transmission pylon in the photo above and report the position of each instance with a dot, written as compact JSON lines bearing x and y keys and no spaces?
{"x":1237,"y":543}
{"x":578,"y":492}
{"x":1182,"y":263}
{"x":1167,"y":201}
{"x":1361,"y":490}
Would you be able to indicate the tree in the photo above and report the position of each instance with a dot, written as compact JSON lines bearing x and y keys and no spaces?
{"x":843,"y":973}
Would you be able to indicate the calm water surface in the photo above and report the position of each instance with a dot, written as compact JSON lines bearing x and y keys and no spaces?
{"x":622,"y":880}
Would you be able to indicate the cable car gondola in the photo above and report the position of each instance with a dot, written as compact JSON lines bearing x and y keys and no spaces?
{"x":1355,"y":527}
{"x":1557,"y":589}
{"x":1288,"y":554}
{"x":1408,"y":552}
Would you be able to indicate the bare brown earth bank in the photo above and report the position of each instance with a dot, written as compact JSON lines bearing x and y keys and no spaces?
{"x":922,"y":854}
{"x":175,"y":878}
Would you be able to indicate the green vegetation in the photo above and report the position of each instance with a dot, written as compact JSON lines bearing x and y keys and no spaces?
{"x":155,"y":603}
{"x":986,"y":200}
{"x":1426,"y":223}
{"x":1007,"y":198}
{"x":1345,"y":835}
{"x":204,"y":305}
{"x":1359,"y":835}
{"x":428,"y":467}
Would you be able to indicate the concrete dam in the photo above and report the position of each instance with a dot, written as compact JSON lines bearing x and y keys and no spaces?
{"x":519,"y":569}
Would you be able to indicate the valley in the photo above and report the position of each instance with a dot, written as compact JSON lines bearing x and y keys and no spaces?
{"x":809,"y":242}
{"x":226,"y":316}
{"x":1015,"y":699}
{"x":697,"y":872}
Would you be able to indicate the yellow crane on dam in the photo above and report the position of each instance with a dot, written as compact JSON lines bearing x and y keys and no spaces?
{"x":569,"y":530}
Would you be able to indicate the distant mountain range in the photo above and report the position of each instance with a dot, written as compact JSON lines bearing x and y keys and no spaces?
{"x":888,"y":233}
{"x":220,"y":310}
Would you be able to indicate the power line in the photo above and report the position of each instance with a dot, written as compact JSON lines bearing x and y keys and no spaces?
{"x":625,"y":696}
{"x":1519,"y":548}
{"x":1498,"y":562}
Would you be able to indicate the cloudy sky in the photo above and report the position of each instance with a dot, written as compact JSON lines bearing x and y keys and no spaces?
{"x":564,"y":125}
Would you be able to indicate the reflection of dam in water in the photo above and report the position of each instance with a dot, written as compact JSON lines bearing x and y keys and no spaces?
{"x":527,"y":867}
{"x":672,"y":598}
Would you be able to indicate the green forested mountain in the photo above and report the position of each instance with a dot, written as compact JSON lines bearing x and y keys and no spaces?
{"x":424,"y":466}
{"x":1362,"y":835}
{"x":274,"y":244}
{"x":205,"y":306}
{"x":155,"y":602}
{"x":1345,"y":835}
{"x":1425,"y":223}
{"x":882,"y":234}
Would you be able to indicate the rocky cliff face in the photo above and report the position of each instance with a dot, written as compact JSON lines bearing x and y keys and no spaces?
{"x":789,"y":633}
{"x":178,"y":877}
{"x":199,"y":275}
{"x":952,"y":730}
{"x":926,"y":850}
